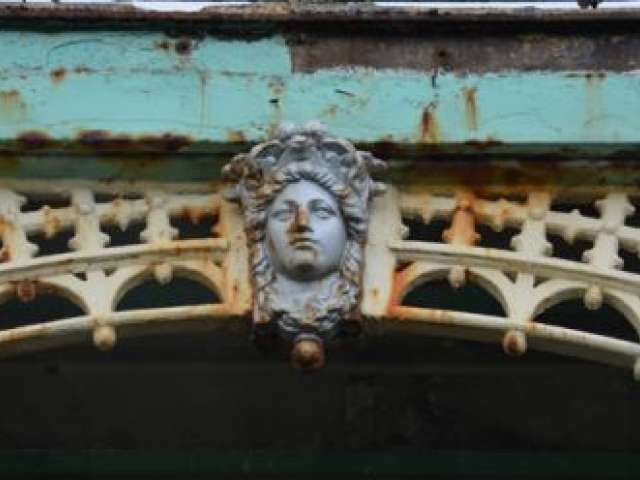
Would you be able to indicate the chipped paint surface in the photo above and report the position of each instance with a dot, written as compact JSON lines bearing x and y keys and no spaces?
{"x":120,"y":109}
{"x":205,"y":91}
{"x":526,"y":279}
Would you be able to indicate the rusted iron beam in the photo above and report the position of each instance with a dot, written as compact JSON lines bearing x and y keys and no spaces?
{"x":284,"y":12}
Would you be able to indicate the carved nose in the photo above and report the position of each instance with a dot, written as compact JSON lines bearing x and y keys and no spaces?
{"x":301,"y":222}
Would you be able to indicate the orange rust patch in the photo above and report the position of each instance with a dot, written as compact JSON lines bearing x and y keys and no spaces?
{"x":470,"y":107}
{"x":429,"y":128}
{"x":463,"y":224}
{"x":58,"y":74}
{"x":194,"y":214}
{"x":400,"y":280}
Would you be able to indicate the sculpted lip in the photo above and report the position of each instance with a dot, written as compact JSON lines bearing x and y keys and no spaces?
{"x":305,"y":242}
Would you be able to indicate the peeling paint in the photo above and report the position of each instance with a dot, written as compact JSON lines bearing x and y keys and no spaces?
{"x":429,"y":126}
{"x":470,"y":108}
{"x":104,"y":140}
{"x":57,"y":75}
{"x":33,"y":139}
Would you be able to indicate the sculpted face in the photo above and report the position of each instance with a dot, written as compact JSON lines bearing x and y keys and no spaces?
{"x":306,"y":234}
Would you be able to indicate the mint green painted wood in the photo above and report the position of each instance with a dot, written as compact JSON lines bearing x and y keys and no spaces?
{"x":231,"y":90}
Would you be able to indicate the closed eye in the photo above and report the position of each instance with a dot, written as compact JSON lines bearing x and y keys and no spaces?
{"x":321,"y":209}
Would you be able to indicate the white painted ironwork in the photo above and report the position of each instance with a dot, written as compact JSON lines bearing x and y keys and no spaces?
{"x":95,"y":277}
{"x":526,"y":279}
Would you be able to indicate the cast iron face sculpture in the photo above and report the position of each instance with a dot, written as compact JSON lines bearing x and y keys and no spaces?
{"x":305,"y":197}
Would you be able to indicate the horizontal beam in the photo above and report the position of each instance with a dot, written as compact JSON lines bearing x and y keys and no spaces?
{"x":105,"y":92}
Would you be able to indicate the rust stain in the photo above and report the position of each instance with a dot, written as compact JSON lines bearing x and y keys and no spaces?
{"x":491,"y":177}
{"x":194,"y":214}
{"x":9,"y":97}
{"x":514,"y":344}
{"x":11,"y":104}
{"x":236,"y":136}
{"x":169,"y":142}
{"x":399,"y":281}
{"x":163,"y":45}
{"x":470,"y":107}
{"x":429,"y":128}
{"x":32,"y":139}
{"x":463,"y":223}
{"x":58,"y":74}
{"x":25,"y":290}
{"x":52,"y":222}
{"x":104,"y":140}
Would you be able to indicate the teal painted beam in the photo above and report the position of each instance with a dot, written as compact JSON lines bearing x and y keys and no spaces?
{"x":221,"y":91}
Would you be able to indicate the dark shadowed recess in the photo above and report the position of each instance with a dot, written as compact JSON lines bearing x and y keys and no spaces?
{"x":119,"y":237}
{"x":603,"y":321}
{"x":179,"y":291}
{"x":440,"y":294}
{"x":201,"y":227}
{"x":43,"y":308}
{"x":425,"y":232}
{"x":59,"y":243}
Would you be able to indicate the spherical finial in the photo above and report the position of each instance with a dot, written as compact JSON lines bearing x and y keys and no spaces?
{"x":104,"y":337}
{"x":514,"y":343}
{"x":308,"y":353}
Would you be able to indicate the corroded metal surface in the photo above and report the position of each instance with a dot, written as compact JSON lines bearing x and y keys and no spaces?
{"x":96,"y":277}
{"x":318,"y":12}
{"x":525,"y":273}
{"x":457,"y":86}
{"x":526,"y":281}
